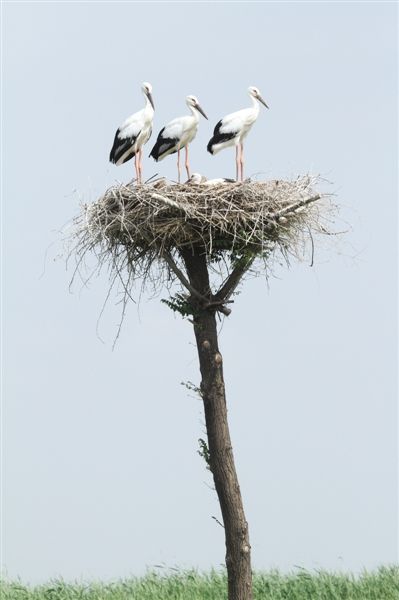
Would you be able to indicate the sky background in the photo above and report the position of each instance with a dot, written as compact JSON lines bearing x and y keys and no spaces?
{"x":101,"y":476}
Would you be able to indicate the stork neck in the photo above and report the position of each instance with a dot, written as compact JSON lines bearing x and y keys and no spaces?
{"x":255,"y":105}
{"x":194,"y":112}
{"x":148,"y":105}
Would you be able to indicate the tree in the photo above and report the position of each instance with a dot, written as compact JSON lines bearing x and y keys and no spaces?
{"x":206,"y":239}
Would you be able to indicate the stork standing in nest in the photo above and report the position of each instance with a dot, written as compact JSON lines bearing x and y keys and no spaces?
{"x":178,"y":134}
{"x":233,"y":128}
{"x":131,"y":136}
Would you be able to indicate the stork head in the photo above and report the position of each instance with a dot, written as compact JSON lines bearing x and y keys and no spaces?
{"x":147,"y":91}
{"x":196,"y":179}
{"x":192,"y":101}
{"x":255,"y":93}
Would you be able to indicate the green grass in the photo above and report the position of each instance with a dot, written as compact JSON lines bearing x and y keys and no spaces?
{"x":382,"y":584}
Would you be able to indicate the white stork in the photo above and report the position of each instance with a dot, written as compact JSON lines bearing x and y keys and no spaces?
{"x":178,"y":134}
{"x":198,"y":179}
{"x":133,"y":134}
{"x":232,"y":129}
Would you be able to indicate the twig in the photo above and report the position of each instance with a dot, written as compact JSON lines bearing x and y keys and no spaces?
{"x":217,"y":521}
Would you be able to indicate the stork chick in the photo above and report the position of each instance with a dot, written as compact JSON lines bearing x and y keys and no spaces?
{"x":196,"y":179}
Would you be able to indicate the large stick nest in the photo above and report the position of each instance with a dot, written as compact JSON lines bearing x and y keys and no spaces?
{"x":132,"y":228}
{"x":254,"y":216}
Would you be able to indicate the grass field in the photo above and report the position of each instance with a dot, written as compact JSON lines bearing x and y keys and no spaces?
{"x":382,"y":584}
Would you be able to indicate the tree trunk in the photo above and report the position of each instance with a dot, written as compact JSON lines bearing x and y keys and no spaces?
{"x":221,"y":459}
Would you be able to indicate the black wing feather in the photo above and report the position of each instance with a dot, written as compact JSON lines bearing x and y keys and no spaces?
{"x":218,"y":137}
{"x":121,"y":146}
{"x":162,"y":145}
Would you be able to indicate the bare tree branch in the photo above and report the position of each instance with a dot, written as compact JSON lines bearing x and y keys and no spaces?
{"x":206,"y":302}
{"x":233,"y":280}
{"x":180,"y":275}
{"x":295,"y":206}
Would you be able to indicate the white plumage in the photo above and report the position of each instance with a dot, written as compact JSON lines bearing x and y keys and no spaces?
{"x":178,"y":134}
{"x":131,"y":136}
{"x":233,"y":128}
{"x":198,"y":179}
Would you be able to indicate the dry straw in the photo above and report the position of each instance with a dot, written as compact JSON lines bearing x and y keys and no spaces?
{"x":134,"y":228}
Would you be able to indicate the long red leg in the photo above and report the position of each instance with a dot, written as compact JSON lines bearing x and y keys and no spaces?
{"x":237,"y":163}
{"x":178,"y":165}
{"x":136,"y":166}
{"x":242,"y":162}
{"x":140,"y":166}
{"x":187,"y":163}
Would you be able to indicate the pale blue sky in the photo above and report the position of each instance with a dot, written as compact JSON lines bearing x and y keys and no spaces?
{"x":101,"y":472}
